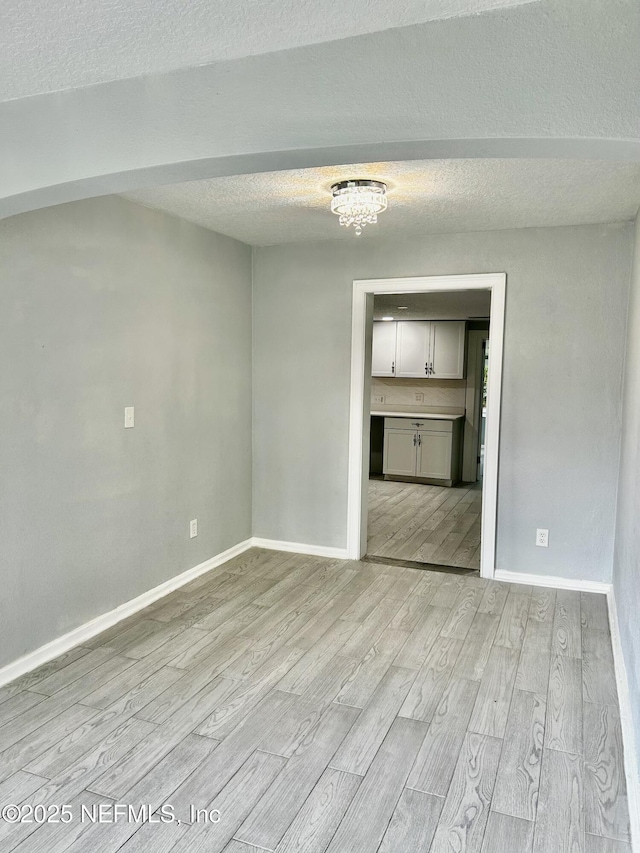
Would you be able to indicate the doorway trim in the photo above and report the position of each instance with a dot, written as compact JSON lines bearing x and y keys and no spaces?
{"x":360,"y":400}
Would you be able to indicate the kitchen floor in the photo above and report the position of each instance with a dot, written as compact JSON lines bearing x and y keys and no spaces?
{"x":425,"y":524}
{"x":328,"y":706}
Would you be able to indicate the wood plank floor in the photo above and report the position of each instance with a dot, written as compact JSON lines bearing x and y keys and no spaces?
{"x":328,"y":707}
{"x":425,"y":524}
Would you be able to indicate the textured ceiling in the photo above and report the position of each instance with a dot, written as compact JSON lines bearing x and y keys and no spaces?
{"x":431,"y":196}
{"x":448,"y":305}
{"x":549,"y":79}
{"x":60,"y":44}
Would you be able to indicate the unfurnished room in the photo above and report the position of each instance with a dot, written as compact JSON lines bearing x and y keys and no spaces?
{"x":320,"y":346}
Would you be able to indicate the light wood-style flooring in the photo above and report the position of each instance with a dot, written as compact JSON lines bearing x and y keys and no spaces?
{"x":425,"y":524}
{"x":323,"y":705}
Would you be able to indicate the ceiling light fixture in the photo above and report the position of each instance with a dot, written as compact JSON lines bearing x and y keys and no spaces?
{"x":387,"y":318}
{"x":358,"y":202}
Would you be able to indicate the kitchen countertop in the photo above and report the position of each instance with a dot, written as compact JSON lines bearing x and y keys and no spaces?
{"x":429,"y":415}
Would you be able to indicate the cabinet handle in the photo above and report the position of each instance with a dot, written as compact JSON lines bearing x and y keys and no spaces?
{"x":393,"y":367}
{"x":426,"y":367}
{"x":431,"y":370}
{"x":419,"y":440}
{"x":414,"y":439}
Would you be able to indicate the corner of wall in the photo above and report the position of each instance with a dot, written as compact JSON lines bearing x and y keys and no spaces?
{"x":625,"y":580}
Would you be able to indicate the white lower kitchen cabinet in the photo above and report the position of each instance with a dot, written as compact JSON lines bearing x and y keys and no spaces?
{"x":435,"y":455}
{"x":400,"y":452}
{"x":422,"y":450}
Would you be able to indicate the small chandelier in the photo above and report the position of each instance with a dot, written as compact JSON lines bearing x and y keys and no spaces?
{"x":358,"y":202}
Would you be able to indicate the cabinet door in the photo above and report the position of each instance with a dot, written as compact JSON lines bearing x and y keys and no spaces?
{"x":434,"y":455}
{"x":412,"y":348}
{"x":383,"y":358}
{"x":400,"y":452}
{"x":447,"y":349}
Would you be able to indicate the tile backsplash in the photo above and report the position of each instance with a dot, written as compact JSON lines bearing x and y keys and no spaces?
{"x":445,"y":396}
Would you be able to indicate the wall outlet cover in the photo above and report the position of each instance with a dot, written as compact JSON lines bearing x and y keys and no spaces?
{"x":542,"y":538}
{"x":378,"y":398}
{"x":193,"y":528}
{"x":418,"y":398}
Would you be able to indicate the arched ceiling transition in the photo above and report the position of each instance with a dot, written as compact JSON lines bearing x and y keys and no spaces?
{"x":548,"y":78}
{"x":47,"y":47}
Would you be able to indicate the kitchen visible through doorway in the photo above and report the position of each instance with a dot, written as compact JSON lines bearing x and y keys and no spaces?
{"x":428,"y":410}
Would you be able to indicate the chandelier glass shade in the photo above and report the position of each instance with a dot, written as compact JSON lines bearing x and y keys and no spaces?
{"x":358,"y":202}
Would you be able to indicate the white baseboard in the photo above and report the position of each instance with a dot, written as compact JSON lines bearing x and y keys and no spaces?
{"x":85,"y":632}
{"x":299,"y":548}
{"x":626,"y":722}
{"x":553,"y":582}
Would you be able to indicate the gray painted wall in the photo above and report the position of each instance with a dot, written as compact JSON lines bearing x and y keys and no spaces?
{"x":107,"y":305}
{"x":567,"y":293}
{"x":626,"y":577}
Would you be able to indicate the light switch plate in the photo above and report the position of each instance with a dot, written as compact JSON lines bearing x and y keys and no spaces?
{"x":193,"y":528}
{"x":128,"y":417}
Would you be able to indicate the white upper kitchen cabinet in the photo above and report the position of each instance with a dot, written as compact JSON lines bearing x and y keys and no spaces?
{"x":383,"y":358}
{"x":419,"y":349}
{"x":447,"y":349}
{"x":412,"y":349}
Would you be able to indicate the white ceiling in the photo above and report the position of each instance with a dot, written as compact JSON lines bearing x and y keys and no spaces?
{"x":434,"y":196}
{"x":448,"y":305}
{"x":61,"y":44}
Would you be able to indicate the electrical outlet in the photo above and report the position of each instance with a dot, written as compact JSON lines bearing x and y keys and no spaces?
{"x":418,"y":398}
{"x":378,"y":398}
{"x":193,"y":528}
{"x":128,"y":417}
{"x":542,"y":538}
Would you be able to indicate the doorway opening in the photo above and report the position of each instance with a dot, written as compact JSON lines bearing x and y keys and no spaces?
{"x":424,"y":430}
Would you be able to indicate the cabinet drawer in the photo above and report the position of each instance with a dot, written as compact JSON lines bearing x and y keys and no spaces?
{"x":425,"y":423}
